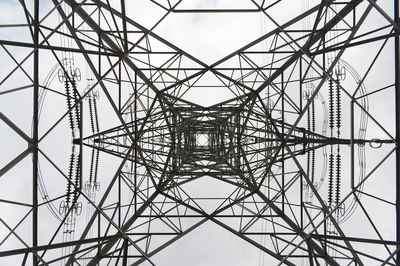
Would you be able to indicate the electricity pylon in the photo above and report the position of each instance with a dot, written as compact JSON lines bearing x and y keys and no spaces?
{"x":117,"y":143}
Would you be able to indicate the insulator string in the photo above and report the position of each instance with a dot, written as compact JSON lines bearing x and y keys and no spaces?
{"x":91,"y":114}
{"x":96,"y":119}
{"x":91,"y":167}
{"x":96,"y":166}
{"x":331,"y":107}
{"x":338,"y":107}
{"x":76,"y":99}
{"x":77,"y":179}
{"x":331,"y":174}
{"x":338,"y":176}
{"x":69,"y":105}
{"x":70,"y":173}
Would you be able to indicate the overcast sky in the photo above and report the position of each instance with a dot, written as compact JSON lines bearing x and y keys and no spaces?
{"x":208,"y":37}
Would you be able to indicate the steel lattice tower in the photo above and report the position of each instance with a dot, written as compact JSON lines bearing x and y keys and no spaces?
{"x":118,"y":143}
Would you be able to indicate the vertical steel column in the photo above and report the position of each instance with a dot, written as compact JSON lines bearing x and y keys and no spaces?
{"x":35,"y":132}
{"x":397,"y":106}
{"x":135,"y":174}
{"x":124,"y":26}
{"x":283,"y":136}
{"x":125,"y":254}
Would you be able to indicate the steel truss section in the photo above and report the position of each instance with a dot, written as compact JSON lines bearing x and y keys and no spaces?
{"x":121,"y":141}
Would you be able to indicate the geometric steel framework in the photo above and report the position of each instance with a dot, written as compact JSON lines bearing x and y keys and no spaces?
{"x":118,"y":145}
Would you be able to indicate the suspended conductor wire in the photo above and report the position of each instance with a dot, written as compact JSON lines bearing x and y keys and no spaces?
{"x":46,"y":84}
{"x":41,"y":184}
{"x":324,"y":165}
{"x":45,"y":196}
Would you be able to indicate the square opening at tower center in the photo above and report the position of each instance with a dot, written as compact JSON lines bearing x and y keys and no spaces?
{"x":202,"y":139}
{"x":205,"y":136}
